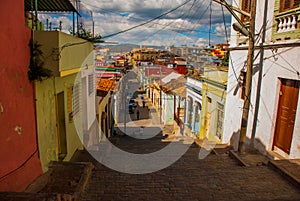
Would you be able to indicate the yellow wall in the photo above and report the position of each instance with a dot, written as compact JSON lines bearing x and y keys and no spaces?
{"x":217,"y":94}
{"x":62,"y":52}
{"x":101,"y":108}
{"x":47,"y":119}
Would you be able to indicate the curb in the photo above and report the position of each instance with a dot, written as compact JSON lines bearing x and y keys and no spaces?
{"x":287,"y":175}
{"x":241,"y":162}
{"x":83,"y":180}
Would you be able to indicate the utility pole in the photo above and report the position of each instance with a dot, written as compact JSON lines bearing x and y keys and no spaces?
{"x":160,"y":94}
{"x":246,"y":107}
{"x":251,"y":34}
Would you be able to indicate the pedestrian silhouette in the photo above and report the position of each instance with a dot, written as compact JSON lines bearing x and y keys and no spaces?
{"x":138,"y":114}
{"x":144,"y":103}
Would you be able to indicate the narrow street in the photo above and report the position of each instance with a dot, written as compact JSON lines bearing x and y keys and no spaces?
{"x":216,"y":177}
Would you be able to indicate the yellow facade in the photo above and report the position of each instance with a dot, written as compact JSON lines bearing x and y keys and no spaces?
{"x":64,"y":55}
{"x":213,"y":103}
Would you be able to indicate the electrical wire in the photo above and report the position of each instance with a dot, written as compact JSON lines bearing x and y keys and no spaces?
{"x":20,"y":166}
{"x":147,"y":22}
{"x":226,"y":36}
{"x":210,"y":9}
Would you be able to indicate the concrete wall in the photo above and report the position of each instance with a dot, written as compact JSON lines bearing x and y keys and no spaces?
{"x":63,"y":52}
{"x":18,"y":144}
{"x":282,"y":63}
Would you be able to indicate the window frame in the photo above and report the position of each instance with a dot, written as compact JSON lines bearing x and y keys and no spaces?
{"x":292,"y":5}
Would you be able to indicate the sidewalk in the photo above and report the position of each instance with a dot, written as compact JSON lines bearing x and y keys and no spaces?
{"x":288,"y":169}
{"x":64,"y":181}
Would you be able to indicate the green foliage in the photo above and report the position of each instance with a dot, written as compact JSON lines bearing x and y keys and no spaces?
{"x":225,"y":60}
{"x":87,"y":35}
{"x":36,"y":70}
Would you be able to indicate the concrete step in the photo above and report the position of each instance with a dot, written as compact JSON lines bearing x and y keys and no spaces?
{"x":63,"y":181}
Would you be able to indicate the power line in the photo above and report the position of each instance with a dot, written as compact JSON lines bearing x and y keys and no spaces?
{"x":226,"y":36}
{"x":142,"y":24}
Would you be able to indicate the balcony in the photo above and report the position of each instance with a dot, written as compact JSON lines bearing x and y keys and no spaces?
{"x":63,"y":53}
{"x":286,"y":25}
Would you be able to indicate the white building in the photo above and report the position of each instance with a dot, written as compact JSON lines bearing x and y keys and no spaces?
{"x":193,"y":106}
{"x":274,"y":116}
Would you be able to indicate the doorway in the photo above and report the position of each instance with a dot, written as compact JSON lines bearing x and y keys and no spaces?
{"x":286,"y":113}
{"x":61,"y":126}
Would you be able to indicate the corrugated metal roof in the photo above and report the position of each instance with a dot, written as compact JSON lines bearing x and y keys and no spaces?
{"x":50,"y":5}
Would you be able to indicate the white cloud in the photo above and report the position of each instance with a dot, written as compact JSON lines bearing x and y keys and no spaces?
{"x":183,"y":26}
{"x":202,"y":42}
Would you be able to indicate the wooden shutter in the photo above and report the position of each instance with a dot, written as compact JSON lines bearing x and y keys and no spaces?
{"x":296,"y":3}
{"x":286,"y":5}
{"x":246,"y":6}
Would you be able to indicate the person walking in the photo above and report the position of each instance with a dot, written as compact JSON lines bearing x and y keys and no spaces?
{"x":137,"y":114}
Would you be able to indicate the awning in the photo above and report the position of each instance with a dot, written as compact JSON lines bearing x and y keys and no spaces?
{"x":108,"y":75}
{"x":50,"y":6}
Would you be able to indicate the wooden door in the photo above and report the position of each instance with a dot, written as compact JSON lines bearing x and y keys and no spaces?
{"x":62,"y":136}
{"x":287,"y":106}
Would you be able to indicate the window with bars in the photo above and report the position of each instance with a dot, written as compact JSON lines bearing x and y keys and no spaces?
{"x":70,"y":99}
{"x":286,"y":5}
{"x":76,"y":99}
{"x":91,"y":84}
{"x":220,"y":120}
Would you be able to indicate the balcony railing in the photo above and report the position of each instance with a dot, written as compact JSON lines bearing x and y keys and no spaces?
{"x":286,"y":23}
{"x":286,"y":26}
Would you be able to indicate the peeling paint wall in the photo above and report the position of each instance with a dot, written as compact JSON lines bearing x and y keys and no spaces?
{"x":47,"y":118}
{"x":18,"y":145}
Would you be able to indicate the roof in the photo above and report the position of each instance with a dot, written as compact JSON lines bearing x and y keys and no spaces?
{"x":181,"y":91}
{"x":158,"y":71}
{"x":170,"y":77}
{"x":105,"y":85}
{"x":176,"y":86}
{"x":108,"y":75}
{"x":50,"y":6}
{"x":175,"y":83}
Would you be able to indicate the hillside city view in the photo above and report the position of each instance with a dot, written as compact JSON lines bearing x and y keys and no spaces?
{"x":150,"y":100}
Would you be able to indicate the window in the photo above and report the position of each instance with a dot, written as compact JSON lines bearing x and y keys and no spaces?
{"x":209,"y":99}
{"x":220,"y":120}
{"x":246,"y":6}
{"x":91,"y":84}
{"x":70,"y":111}
{"x":288,"y":4}
{"x":76,"y":101}
{"x":243,"y":84}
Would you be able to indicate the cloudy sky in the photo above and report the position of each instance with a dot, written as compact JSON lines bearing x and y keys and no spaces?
{"x":153,"y":22}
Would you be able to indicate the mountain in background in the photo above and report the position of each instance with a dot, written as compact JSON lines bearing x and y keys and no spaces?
{"x":127,"y":47}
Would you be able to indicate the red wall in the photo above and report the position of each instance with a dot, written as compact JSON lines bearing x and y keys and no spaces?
{"x":19,"y":162}
{"x":180,"y":69}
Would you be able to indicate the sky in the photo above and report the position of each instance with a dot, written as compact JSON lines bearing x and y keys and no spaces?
{"x":152,"y":22}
